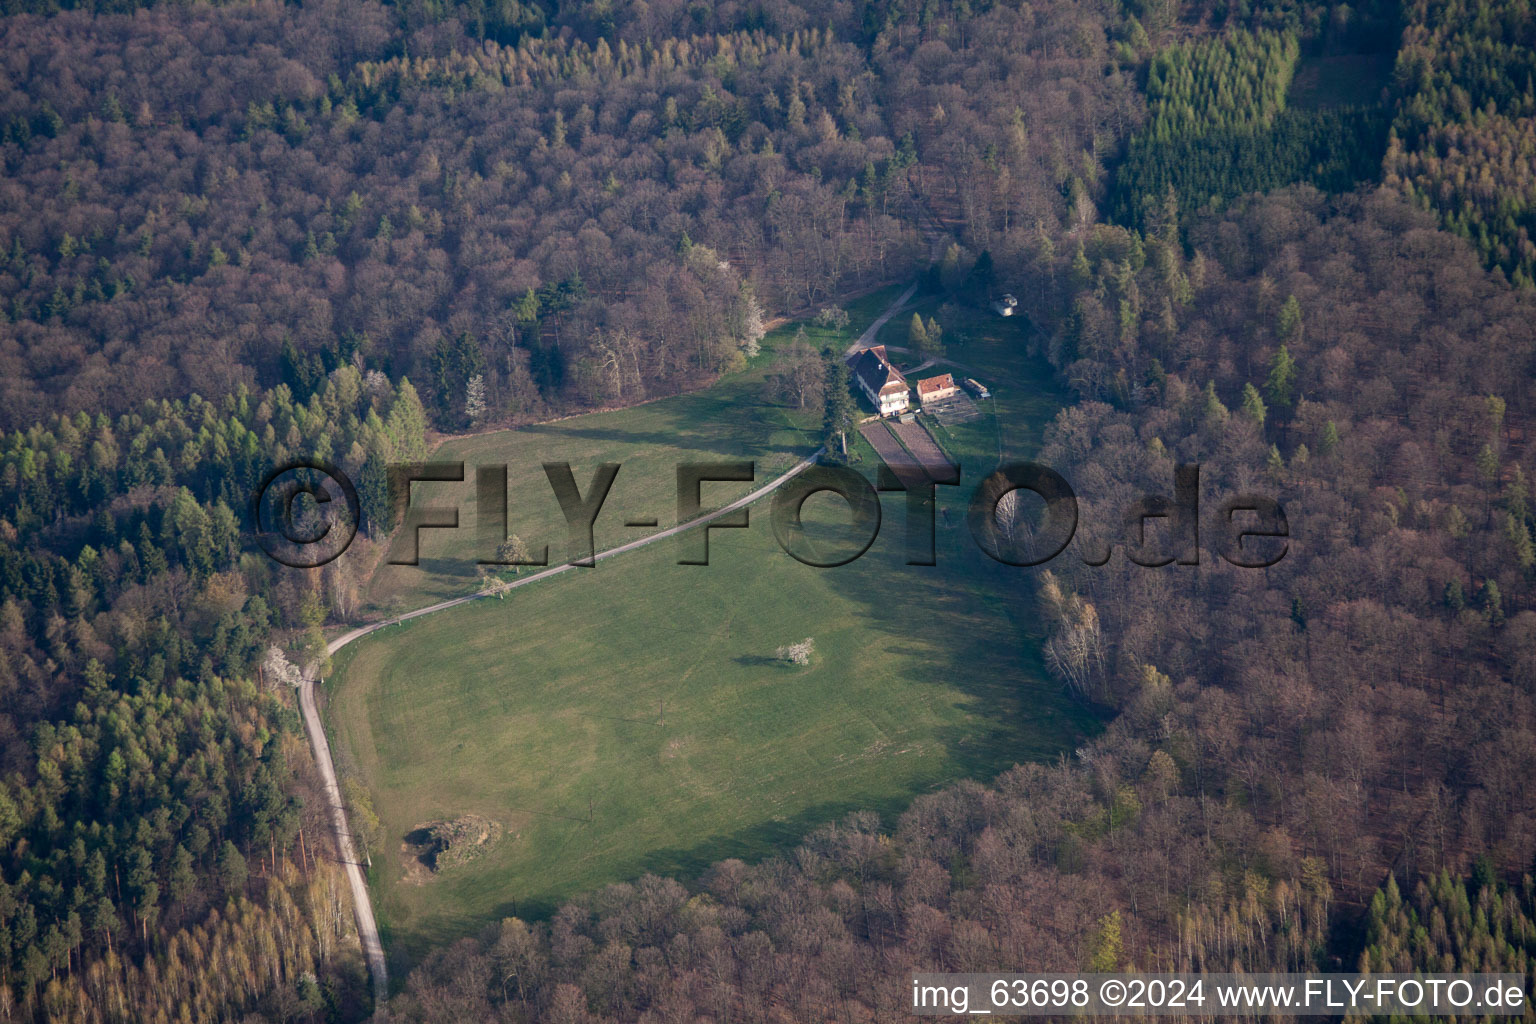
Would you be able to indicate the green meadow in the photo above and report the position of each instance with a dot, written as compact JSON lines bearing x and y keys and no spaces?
{"x":633,"y":717}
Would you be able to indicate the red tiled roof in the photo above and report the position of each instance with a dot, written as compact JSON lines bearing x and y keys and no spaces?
{"x":929,"y":385}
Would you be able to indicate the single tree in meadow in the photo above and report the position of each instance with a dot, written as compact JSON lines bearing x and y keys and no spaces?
{"x":839,"y":411}
{"x":917,"y":334}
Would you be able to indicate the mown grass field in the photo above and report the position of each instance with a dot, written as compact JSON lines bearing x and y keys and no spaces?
{"x":632,"y":717}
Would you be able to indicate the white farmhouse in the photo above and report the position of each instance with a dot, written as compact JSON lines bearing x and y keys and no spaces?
{"x":881,"y":382}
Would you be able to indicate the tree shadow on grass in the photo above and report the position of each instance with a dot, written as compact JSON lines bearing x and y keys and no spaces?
{"x":1009,"y":712}
{"x":406,"y":946}
{"x":1008,"y":708}
{"x":687,"y":862}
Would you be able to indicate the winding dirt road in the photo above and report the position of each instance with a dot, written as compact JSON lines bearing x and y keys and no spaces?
{"x":867,"y":339}
{"x":367,"y":927}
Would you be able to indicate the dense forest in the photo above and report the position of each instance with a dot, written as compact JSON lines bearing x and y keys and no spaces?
{"x":231,"y":234}
{"x":1285,"y":740}
{"x":524,"y":213}
{"x":1463,"y":135}
{"x":1218,"y":127}
{"x":150,"y":800}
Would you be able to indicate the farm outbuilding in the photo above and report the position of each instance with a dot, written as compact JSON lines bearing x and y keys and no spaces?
{"x":936,"y":389}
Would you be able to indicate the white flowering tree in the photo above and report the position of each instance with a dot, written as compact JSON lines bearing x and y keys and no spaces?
{"x":753,"y":326}
{"x":797,"y":654}
{"x":474,"y":398}
{"x":278,"y":670}
{"x":834,"y":317}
